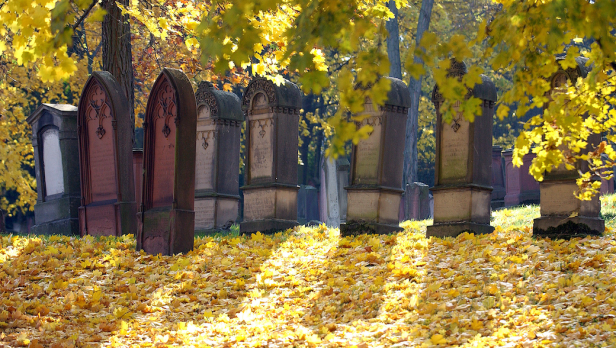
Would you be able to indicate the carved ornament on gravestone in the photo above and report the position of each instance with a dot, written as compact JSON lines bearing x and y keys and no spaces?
{"x":463,"y":172}
{"x":219,"y":120}
{"x":270,"y":193}
{"x":374,"y":193}
{"x":166,"y":216}
{"x":104,"y":127}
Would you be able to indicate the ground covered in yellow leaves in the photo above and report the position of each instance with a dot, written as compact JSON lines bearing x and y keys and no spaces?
{"x":309,"y":287}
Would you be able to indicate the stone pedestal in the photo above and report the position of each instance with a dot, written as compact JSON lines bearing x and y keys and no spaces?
{"x":105,"y":132}
{"x":56,"y":159}
{"x":463,"y":173}
{"x":498,"y":178}
{"x":167,"y":217}
{"x":562,"y":214}
{"x":521,"y":187}
{"x":219,"y":118}
{"x":270,"y":193}
{"x":376,"y":167}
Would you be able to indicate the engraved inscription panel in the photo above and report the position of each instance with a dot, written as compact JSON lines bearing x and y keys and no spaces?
{"x":164,"y":128}
{"x":204,"y":213}
{"x":261,"y":148}
{"x":368,"y":153}
{"x":52,"y":162}
{"x":100,"y":146}
{"x":205,"y":164}
{"x":454,"y":149}
{"x":259,"y":204}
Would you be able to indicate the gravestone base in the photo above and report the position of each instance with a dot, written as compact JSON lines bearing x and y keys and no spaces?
{"x":453,"y":229}
{"x":357,"y":227}
{"x":565,"y":227}
{"x":99,"y":219}
{"x":67,"y":227}
{"x":215,"y":212}
{"x":167,"y":231}
{"x":58,"y":216}
{"x":269,"y":226}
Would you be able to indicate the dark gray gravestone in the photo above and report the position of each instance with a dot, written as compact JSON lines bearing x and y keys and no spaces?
{"x":463,"y":173}
{"x":219,"y":118}
{"x":270,"y":193}
{"x":105,"y":132}
{"x":167,"y":217}
{"x":562,"y":214}
{"x":498,"y":178}
{"x":343,"y":167}
{"x":376,"y":167}
{"x":56,"y":159}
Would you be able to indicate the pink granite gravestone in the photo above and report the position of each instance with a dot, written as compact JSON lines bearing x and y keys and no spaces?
{"x":463,"y":172}
{"x":105,"y":134}
{"x":138,"y":172}
{"x":167,"y":217}
{"x":521,"y":187}
{"x":562,"y":214}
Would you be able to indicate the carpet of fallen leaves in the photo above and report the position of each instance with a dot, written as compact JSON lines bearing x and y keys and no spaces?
{"x":310,"y":287}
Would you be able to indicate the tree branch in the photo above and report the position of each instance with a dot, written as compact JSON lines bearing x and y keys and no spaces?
{"x":85,"y":14}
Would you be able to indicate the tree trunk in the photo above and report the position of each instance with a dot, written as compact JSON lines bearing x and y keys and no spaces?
{"x":410,"y":146}
{"x":393,"y":42}
{"x":117,"y":54}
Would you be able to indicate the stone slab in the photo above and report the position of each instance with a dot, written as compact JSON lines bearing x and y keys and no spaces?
{"x":456,"y":228}
{"x":355,"y":228}
{"x":269,"y":226}
{"x":67,"y":227}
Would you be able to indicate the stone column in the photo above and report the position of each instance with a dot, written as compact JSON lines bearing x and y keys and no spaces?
{"x":331,"y":184}
{"x":270,"y":193}
{"x":167,"y":216}
{"x":562,"y":214}
{"x":219,"y":119}
{"x":105,"y":131}
{"x":343,"y":166}
{"x":56,"y":160}
{"x":375,"y":189}
{"x":463,"y":173}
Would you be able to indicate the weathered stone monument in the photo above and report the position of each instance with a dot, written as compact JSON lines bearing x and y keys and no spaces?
{"x":463,"y":173}
{"x":562,"y":214}
{"x":105,"y":134}
{"x":498,"y":178}
{"x":420,"y":201}
{"x":521,"y":187}
{"x":270,"y":193}
{"x":217,"y":170}
{"x":138,"y":172}
{"x":307,"y":204}
{"x":330,"y":199}
{"x":607,"y":186}
{"x":375,"y":189}
{"x":56,"y":159}
{"x":343,"y":167}
{"x":166,"y":216}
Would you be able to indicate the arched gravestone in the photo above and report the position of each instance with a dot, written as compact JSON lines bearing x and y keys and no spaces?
{"x":56,"y":160}
{"x":167,"y":217}
{"x":105,"y":133}
{"x":270,"y":193}
{"x":463,"y":172}
{"x":373,"y":197}
{"x":219,"y":118}
{"x":563,"y":215}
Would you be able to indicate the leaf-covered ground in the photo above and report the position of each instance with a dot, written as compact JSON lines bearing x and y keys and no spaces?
{"x":309,"y":287}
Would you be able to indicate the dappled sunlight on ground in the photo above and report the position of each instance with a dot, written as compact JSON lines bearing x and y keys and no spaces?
{"x":310,"y":287}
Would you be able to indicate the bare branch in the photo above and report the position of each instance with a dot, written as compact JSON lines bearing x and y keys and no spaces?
{"x":85,"y":14}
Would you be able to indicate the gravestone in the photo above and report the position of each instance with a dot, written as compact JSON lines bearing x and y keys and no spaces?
{"x":56,"y":160}
{"x":138,"y":172}
{"x":607,"y":186}
{"x":329,"y":193}
{"x":463,"y":171}
{"x":307,"y":204}
{"x":562,"y":214}
{"x":374,"y":193}
{"x":498,"y":178}
{"x":167,"y":217}
{"x":217,"y":171}
{"x":521,"y":187}
{"x":270,"y":193}
{"x":343,"y":166}
{"x":105,"y":134}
